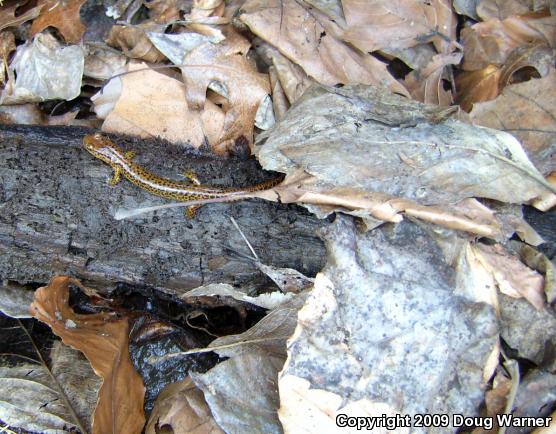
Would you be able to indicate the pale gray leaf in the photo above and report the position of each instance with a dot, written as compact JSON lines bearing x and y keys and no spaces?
{"x":384,"y":326}
{"x":45,"y":70}
{"x":15,"y":301}
{"x":242,"y":393}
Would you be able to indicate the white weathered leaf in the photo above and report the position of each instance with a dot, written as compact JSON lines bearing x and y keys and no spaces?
{"x":45,"y":70}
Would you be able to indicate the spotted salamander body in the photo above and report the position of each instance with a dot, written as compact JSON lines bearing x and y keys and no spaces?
{"x":104,"y":149}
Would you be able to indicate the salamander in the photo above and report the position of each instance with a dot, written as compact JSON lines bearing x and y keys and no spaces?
{"x":122,"y":162}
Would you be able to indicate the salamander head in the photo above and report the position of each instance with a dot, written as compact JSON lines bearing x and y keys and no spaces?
{"x":102,"y":148}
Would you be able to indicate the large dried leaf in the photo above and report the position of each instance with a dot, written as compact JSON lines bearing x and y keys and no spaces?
{"x":181,"y":407}
{"x":510,"y":275}
{"x":242,"y":392}
{"x":64,"y":16}
{"x":492,"y":41}
{"x":502,"y":9}
{"x":363,"y":150}
{"x":384,"y":302}
{"x":395,"y":24}
{"x":8,"y":16}
{"x":485,"y":84}
{"x":293,"y":30}
{"x":135,"y":43}
{"x":50,"y":400}
{"x":245,"y":88}
{"x":32,"y":400}
{"x":103,"y":339}
{"x":151,"y":104}
{"x":45,"y":70}
{"x":478,"y":86}
{"x":427,"y":85}
{"x":528,"y":111}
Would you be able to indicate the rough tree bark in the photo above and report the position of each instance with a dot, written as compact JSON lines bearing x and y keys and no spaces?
{"x":56,"y":217}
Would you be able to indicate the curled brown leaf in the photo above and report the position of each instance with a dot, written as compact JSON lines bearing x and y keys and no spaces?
{"x":103,"y":339}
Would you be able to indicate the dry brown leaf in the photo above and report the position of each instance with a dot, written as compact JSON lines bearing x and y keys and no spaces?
{"x":495,"y":401}
{"x":103,"y":63}
{"x":427,"y":85}
{"x":153,"y":105}
{"x":528,"y":111}
{"x":292,"y":29}
{"x":492,"y":41}
{"x":164,"y":11}
{"x":103,"y":339}
{"x":477,"y":86}
{"x":134,"y":42}
{"x":8,"y":11}
{"x":227,"y":64}
{"x":181,"y":407}
{"x":293,"y":79}
{"x":64,"y":16}
{"x":206,"y":8}
{"x":280,"y":101}
{"x":512,"y":276}
{"x":7,"y":45}
{"x":502,"y":9}
{"x":395,"y":24}
{"x":522,"y":64}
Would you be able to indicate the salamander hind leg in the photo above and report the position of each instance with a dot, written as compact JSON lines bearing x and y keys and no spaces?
{"x":116,"y":177}
{"x":191,"y":211}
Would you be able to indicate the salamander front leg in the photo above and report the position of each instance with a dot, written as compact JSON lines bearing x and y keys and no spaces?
{"x":192,"y":176}
{"x":191,"y":211}
{"x":116,"y":177}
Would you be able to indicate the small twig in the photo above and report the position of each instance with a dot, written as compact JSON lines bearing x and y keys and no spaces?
{"x":255,"y":256}
{"x":122,"y":214}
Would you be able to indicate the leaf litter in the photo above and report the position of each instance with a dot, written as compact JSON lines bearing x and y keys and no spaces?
{"x":438,"y":285}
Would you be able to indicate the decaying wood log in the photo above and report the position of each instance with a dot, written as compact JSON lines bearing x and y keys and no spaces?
{"x":56,"y":217}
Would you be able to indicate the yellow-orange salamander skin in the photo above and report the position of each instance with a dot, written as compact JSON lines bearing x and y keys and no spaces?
{"x":104,"y":149}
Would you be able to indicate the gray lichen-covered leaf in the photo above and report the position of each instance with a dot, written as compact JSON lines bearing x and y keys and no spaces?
{"x":366,"y":140}
{"x":386,"y":327}
{"x":242,"y":393}
{"x":528,"y":330}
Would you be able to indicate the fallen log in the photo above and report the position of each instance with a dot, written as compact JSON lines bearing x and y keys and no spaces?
{"x":57,"y":217}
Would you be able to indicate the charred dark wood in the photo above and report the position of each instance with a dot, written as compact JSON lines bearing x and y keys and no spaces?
{"x":56,"y":217}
